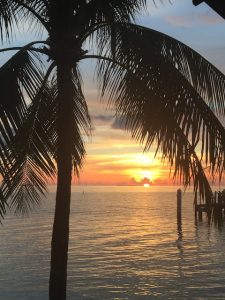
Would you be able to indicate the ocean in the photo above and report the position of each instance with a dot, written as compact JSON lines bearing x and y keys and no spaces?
{"x":124,"y":244}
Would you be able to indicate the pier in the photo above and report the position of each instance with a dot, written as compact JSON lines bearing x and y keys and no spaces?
{"x":215,"y":210}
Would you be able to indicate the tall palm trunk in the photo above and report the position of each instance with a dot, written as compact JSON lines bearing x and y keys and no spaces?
{"x":60,"y":234}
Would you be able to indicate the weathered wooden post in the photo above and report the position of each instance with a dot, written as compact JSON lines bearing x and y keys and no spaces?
{"x":195,"y":205}
{"x":179,"y":205}
{"x":220,"y":205}
{"x":223,"y":201}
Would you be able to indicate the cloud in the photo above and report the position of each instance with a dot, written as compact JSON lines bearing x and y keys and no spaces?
{"x":143,"y":181}
{"x":209,"y":18}
{"x":103,"y":118}
{"x":118,"y":124}
{"x":191,"y":19}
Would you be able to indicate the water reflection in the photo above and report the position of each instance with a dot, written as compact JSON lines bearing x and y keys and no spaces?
{"x":179,"y":235}
{"x":123,"y":245}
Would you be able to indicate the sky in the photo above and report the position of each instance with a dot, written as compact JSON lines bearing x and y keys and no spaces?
{"x":113,"y":158}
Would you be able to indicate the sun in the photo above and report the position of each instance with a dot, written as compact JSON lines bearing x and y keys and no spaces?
{"x":143,"y":169}
{"x":146,"y":185}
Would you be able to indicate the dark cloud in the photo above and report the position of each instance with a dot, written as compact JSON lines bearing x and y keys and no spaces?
{"x":144,"y":180}
{"x":103,"y":118}
{"x":118,"y":124}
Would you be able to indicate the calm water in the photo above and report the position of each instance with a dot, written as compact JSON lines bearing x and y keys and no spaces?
{"x":124,"y":244}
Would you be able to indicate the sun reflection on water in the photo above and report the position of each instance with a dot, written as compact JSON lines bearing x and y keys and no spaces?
{"x":124,"y":244}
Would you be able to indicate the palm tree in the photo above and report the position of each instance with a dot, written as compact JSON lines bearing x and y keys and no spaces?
{"x":162,"y":91}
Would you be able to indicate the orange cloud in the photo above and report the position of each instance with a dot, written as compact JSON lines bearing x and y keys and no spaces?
{"x":120,"y":168}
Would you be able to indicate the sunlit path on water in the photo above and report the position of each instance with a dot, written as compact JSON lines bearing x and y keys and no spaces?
{"x":125,"y":244}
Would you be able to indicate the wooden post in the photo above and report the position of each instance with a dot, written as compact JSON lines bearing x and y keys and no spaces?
{"x":223,"y":202}
{"x":179,"y":205}
{"x":220,"y":206}
{"x":195,"y":205}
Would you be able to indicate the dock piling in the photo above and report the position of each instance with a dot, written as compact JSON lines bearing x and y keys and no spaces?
{"x":217,"y":207}
{"x":179,"y":205}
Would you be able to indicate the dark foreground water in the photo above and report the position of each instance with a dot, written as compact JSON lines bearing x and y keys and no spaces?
{"x":124,"y":244}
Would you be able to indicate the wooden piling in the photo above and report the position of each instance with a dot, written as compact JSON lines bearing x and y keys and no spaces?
{"x":179,"y":205}
{"x":216,"y":208}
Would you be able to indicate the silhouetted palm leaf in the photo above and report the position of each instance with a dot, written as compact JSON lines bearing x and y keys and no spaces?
{"x":81,"y":125}
{"x":148,"y":64}
{"x":19,"y":76}
{"x":34,"y":145}
{"x":8,"y":18}
{"x":30,"y":155}
{"x":3,"y":205}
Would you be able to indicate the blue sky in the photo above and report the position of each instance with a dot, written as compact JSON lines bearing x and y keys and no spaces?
{"x":199,"y":27}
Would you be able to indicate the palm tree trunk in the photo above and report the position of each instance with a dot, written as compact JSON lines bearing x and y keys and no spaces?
{"x":60,"y":234}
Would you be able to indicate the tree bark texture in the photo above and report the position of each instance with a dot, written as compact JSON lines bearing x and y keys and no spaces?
{"x":60,"y":234}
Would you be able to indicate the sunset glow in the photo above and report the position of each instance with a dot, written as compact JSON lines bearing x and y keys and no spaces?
{"x":108,"y":164}
{"x":146,"y":185}
{"x":113,"y":158}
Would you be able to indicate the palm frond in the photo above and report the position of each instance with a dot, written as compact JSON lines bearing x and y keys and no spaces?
{"x":158,"y":125}
{"x":208,"y":81}
{"x":30,"y":156}
{"x":35,"y":12}
{"x":12,"y":12}
{"x":91,"y":17}
{"x":32,"y":151}
{"x":3,"y":205}
{"x":81,"y":122}
{"x":114,"y":10}
{"x":8,"y":19}
{"x":153,"y":72}
{"x":19,"y":77}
